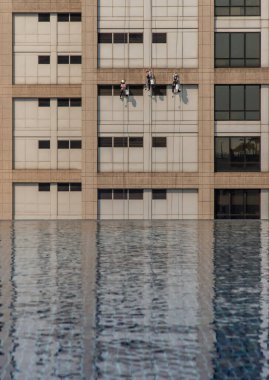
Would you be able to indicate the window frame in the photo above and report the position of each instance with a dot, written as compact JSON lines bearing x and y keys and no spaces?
{"x":244,"y":7}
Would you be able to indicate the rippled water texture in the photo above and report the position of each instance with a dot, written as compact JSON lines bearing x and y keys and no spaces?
{"x":134,"y":300}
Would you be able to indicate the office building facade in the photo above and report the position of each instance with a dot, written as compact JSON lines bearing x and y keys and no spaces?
{"x":71,"y":148}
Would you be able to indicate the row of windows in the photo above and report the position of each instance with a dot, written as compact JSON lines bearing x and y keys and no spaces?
{"x":237,"y":7}
{"x":131,"y":38}
{"x":61,"y":17}
{"x":61,"y":144}
{"x":76,"y":186}
{"x":131,"y":142}
{"x":134,"y":194}
{"x":134,"y":90}
{"x":62,"y":59}
{"x":61,"y":102}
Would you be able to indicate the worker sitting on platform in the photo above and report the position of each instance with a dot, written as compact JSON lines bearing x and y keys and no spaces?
{"x":176,"y":84}
{"x":123,"y":89}
{"x":150,"y":80}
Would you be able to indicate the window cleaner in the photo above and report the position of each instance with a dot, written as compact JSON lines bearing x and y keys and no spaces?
{"x":176,"y":84}
{"x":124,"y":91}
{"x":150,"y":80}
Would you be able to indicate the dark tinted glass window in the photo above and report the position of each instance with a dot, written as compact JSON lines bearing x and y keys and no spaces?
{"x":105,"y":90}
{"x":44,"y":102}
{"x":136,"y":194}
{"x":105,"y":142}
{"x":75,"y":144}
{"x":120,"y":38}
{"x":75,"y":102}
{"x":237,"y":49}
{"x":43,"y":17}
{"x":120,"y":142}
{"x":44,"y":187}
{"x":237,"y":154}
{"x":63,"y":186}
{"x":43,"y":59}
{"x":237,"y":204}
{"x":75,"y":186}
{"x":159,"y":38}
{"x":104,"y":194}
{"x":63,"y":144}
{"x":75,"y":17}
{"x":237,"y":7}
{"x":63,"y":17}
{"x":75,"y":59}
{"x":63,"y":59}
{"x":159,"y":91}
{"x":120,"y":194}
{"x":44,"y":144}
{"x":136,"y":90}
{"x":136,"y":38}
{"x":237,"y":102}
{"x":63,"y":102}
{"x":136,"y":142}
{"x":158,"y":194}
{"x":105,"y":38}
{"x":159,"y":142}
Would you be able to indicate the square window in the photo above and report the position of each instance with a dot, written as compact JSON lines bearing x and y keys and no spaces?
{"x":44,"y":187}
{"x":120,"y":194}
{"x":63,"y":144}
{"x":136,"y":38}
{"x":104,"y":38}
{"x":44,"y":144}
{"x":63,"y":186}
{"x":63,"y":59}
{"x":136,"y":90}
{"x":75,"y":17}
{"x":63,"y":17}
{"x":44,"y":102}
{"x":75,"y":59}
{"x":120,"y":142}
{"x":136,"y":194}
{"x":75,"y":144}
{"x":120,"y":38}
{"x":76,"y":186}
{"x":105,"y":142}
{"x":105,"y":194}
{"x":43,"y":59}
{"x":105,"y":90}
{"x":158,"y":194}
{"x":159,"y":38}
{"x":136,"y":142}
{"x":63,"y":102}
{"x":75,"y":102}
{"x":158,"y":142}
{"x":43,"y":17}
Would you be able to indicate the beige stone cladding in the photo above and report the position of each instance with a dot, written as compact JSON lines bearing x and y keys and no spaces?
{"x":183,"y":41}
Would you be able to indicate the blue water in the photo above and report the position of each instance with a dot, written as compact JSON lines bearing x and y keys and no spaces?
{"x":134,"y":300}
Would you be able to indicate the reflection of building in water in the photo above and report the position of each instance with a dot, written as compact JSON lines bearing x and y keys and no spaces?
{"x":241,"y":301}
{"x":151,"y":318}
{"x":51,"y":316}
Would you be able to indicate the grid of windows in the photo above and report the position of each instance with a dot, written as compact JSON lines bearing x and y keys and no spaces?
{"x":120,"y":38}
{"x":237,"y":49}
{"x":120,"y":142}
{"x":237,"y":204}
{"x":237,"y":154}
{"x":109,"y":90}
{"x":237,"y":102}
{"x":237,"y":7}
{"x":132,"y":194}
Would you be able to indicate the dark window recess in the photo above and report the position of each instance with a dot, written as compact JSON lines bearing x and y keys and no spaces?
{"x":75,"y":102}
{"x":105,"y":194}
{"x":76,"y":186}
{"x":237,"y":49}
{"x":136,"y":194}
{"x":75,"y":144}
{"x":43,"y":59}
{"x":237,"y":154}
{"x":120,"y":38}
{"x":63,"y":186}
{"x":75,"y":59}
{"x":158,"y":142}
{"x":63,"y":102}
{"x":120,"y":142}
{"x":159,"y":194}
{"x":105,"y":142}
{"x":116,"y":90}
{"x":63,"y":144}
{"x":136,"y":38}
{"x":44,"y":102}
{"x":136,"y":90}
{"x":136,"y":142}
{"x":105,"y":90}
{"x":43,"y":17}
{"x":63,"y":59}
{"x":63,"y":17}
{"x":44,"y":144}
{"x":120,"y":194}
{"x":237,"y":8}
{"x":237,"y":102}
{"x":159,"y":38}
{"x":159,"y":90}
{"x":237,"y":204}
{"x":105,"y":38}
{"x":44,"y":187}
{"x":75,"y":17}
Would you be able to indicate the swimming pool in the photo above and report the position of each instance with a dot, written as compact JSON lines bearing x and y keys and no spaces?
{"x":134,"y":300}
